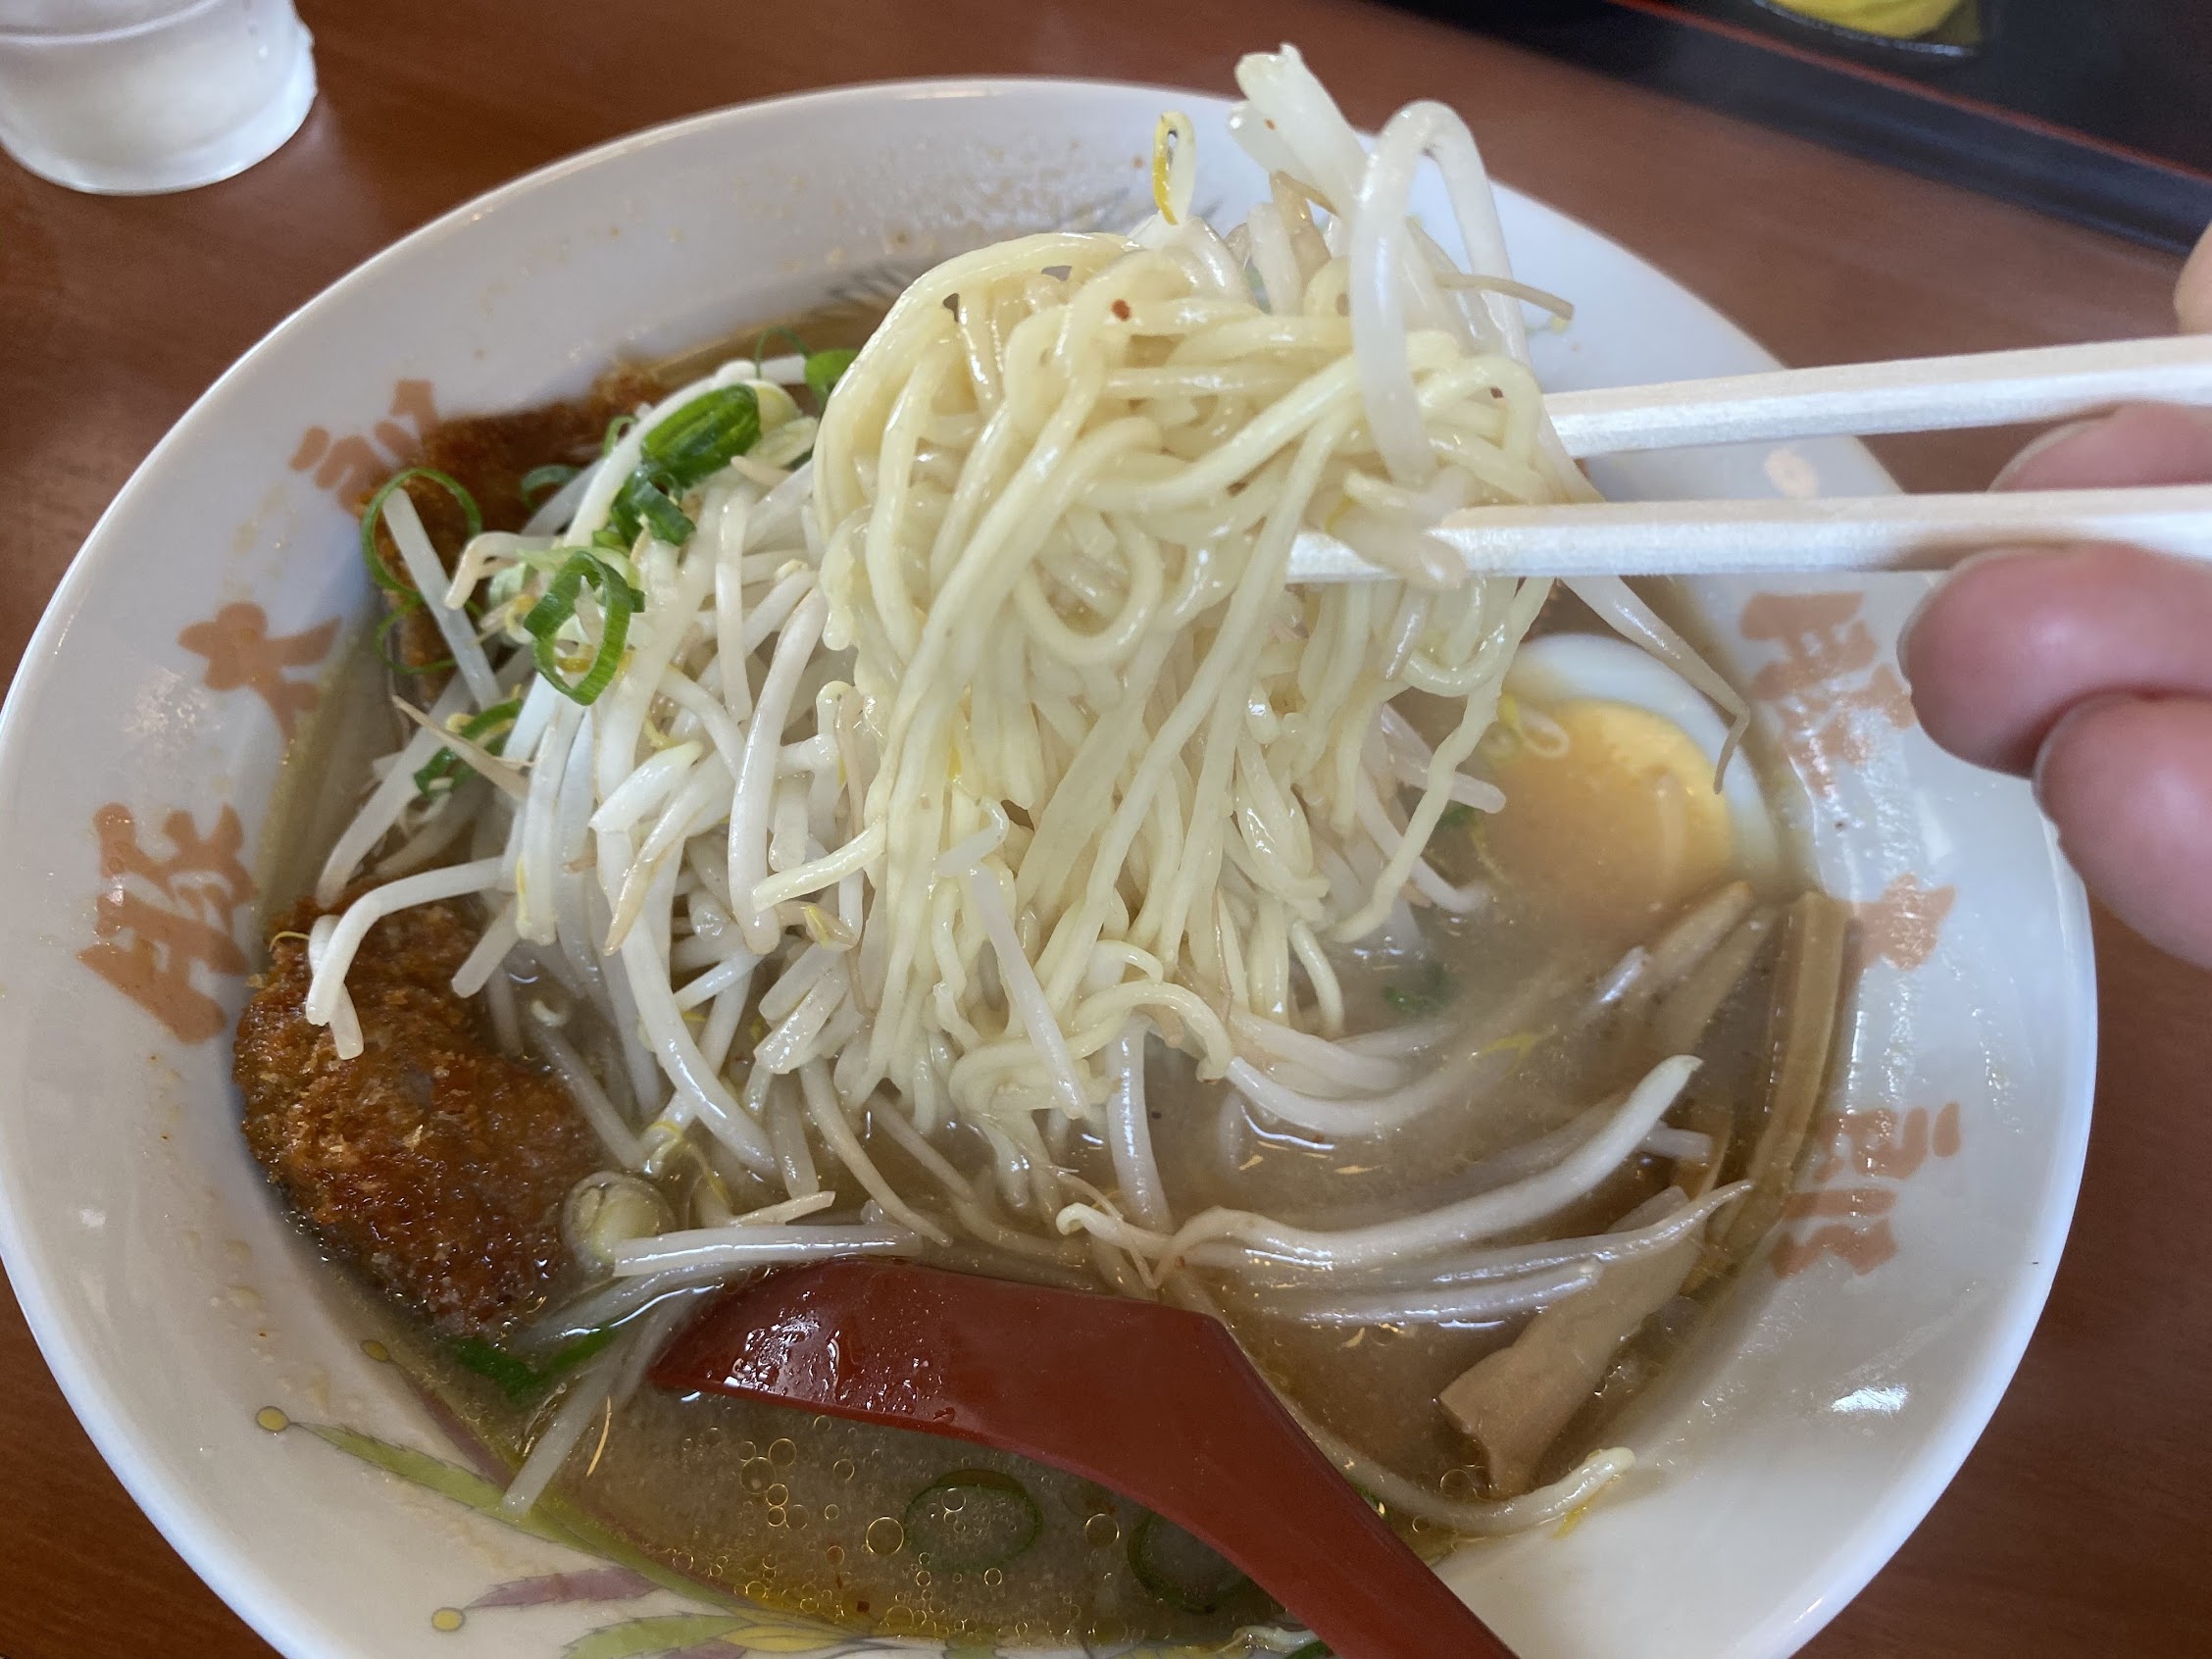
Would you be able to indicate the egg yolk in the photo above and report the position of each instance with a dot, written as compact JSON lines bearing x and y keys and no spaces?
{"x":1611,"y":819}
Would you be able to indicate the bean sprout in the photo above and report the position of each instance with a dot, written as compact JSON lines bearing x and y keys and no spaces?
{"x":940,"y":775}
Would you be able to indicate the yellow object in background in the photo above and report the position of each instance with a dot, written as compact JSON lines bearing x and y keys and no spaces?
{"x":1900,"y":20}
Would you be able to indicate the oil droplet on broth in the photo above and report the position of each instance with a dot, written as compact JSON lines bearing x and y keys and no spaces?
{"x":1101,"y":1531}
{"x":1457,"y":1484}
{"x":778,"y":1495}
{"x":448,"y":1619}
{"x":835,"y":1554}
{"x":273,"y":1420}
{"x":843,"y":1468}
{"x":782,"y":1453}
{"x":885,"y":1536}
{"x":757,"y":1475}
{"x":831,"y":1512}
{"x":994,"y":1577}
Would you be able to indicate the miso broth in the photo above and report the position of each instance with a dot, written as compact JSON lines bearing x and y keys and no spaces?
{"x":910,"y":1535}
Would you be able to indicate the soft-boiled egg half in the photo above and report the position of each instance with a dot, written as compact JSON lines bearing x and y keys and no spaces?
{"x":1607,"y":759}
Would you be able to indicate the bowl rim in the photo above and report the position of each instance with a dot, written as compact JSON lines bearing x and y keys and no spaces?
{"x":1992,"y":1364}
{"x":294,"y":1626}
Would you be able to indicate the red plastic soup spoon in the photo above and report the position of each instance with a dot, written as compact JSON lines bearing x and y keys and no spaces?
{"x":1154,"y":1402}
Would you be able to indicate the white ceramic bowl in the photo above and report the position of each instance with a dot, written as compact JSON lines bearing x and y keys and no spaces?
{"x":1780,"y":1463}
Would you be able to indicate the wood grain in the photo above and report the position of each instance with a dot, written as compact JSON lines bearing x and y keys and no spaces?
{"x":2077,"y":1526}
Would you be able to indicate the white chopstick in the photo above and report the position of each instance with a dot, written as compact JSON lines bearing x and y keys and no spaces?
{"x":1915,"y":395}
{"x":1880,"y":532}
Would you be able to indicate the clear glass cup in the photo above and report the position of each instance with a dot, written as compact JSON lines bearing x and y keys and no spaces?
{"x":132,"y":98}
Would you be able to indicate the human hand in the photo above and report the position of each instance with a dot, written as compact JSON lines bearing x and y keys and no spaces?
{"x":2089,"y":667}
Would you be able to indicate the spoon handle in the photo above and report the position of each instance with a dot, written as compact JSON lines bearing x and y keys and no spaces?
{"x":1154,"y":1402}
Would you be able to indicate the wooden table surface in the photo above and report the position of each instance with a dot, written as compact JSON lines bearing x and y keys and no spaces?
{"x":2078,"y":1526}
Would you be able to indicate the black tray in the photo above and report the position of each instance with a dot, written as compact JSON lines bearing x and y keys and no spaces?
{"x":2097,"y":109}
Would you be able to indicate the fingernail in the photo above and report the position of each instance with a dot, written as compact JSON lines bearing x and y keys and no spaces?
{"x":1905,"y":633}
{"x":2081,"y":711}
{"x":1936,"y":588}
{"x":2036,"y":446}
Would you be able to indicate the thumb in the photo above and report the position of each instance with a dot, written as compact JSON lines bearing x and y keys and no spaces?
{"x":2128,"y":781}
{"x":2193,"y":294}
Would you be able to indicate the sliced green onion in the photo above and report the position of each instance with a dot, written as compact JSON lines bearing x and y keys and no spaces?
{"x":616,"y":429}
{"x":547,"y":478}
{"x":1179,"y":1569}
{"x":618,"y":560}
{"x":693,"y":443}
{"x":699,"y":439}
{"x":642,"y":504}
{"x":434,"y":771}
{"x":488,"y":728}
{"x":405,"y":603}
{"x":617,"y":600}
{"x":385,"y":633}
{"x":1457,"y":816}
{"x":506,"y":585}
{"x":970,"y":1520}
{"x":1427,"y":993}
{"x":484,"y":727}
{"x":760,"y":348}
{"x":825,"y":369}
{"x":518,"y":1379}
{"x":573,"y":1354}
{"x":378,"y":571}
